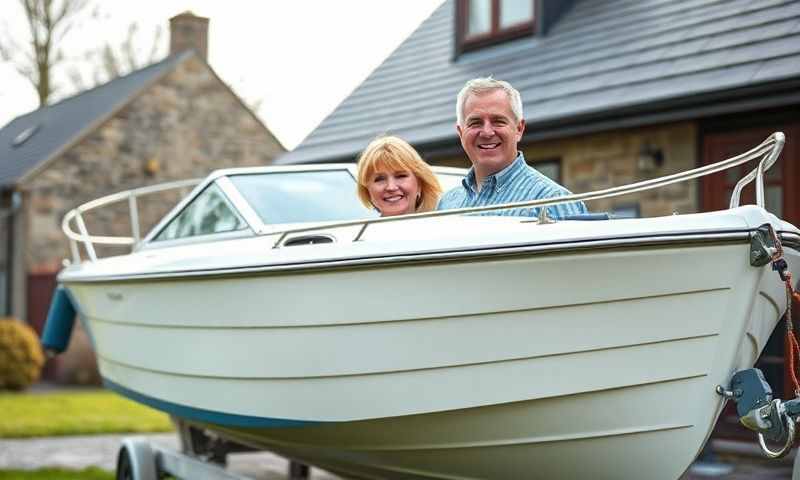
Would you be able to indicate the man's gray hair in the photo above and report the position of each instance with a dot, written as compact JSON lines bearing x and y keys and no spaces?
{"x":479,"y":86}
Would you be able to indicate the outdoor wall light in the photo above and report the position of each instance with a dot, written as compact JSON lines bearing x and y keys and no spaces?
{"x":650,"y":158}
{"x":152,"y":166}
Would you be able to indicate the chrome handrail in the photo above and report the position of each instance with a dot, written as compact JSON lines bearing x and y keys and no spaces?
{"x":758,"y":172}
{"x":88,"y":240}
{"x":768,"y":151}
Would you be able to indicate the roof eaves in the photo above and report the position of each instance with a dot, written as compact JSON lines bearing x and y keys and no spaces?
{"x":699,"y":105}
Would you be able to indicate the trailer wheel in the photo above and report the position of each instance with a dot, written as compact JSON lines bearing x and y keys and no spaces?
{"x":136,"y":460}
{"x":124,"y":467}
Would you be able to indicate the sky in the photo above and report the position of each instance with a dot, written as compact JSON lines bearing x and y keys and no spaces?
{"x":297,"y":59}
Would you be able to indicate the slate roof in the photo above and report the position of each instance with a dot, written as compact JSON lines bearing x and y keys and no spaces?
{"x":602,"y":58}
{"x":58,"y":125}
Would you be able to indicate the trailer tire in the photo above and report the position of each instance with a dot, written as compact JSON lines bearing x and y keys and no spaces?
{"x":136,"y":461}
{"x":124,"y":467}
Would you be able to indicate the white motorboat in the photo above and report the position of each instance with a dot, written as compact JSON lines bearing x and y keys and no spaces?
{"x":273,"y":310}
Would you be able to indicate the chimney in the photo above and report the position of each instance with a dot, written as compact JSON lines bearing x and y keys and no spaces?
{"x":187,"y":31}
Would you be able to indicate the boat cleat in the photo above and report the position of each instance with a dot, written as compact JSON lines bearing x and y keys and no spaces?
{"x":763,"y":247}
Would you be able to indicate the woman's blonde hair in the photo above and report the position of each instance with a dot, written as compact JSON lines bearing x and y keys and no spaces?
{"x":394,"y":154}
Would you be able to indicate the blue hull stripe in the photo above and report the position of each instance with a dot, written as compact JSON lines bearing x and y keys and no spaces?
{"x":206,"y":416}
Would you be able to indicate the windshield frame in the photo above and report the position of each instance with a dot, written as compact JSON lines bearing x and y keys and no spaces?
{"x":256,"y":226}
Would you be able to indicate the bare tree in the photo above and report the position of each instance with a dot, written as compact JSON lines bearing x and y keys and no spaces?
{"x":126,"y":58}
{"x":111,"y":61}
{"x":49,"y":21}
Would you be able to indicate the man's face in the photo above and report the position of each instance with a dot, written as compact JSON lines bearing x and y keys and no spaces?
{"x":489,"y":133}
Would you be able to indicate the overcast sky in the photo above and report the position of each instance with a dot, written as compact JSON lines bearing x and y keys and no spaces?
{"x":299,"y":58}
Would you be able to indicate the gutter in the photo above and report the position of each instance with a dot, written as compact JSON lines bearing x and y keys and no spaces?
{"x":9,"y":216}
{"x":695,"y":107}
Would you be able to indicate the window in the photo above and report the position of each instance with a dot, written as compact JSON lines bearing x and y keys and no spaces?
{"x":550,"y":168}
{"x":297,"y":197}
{"x":24,"y":136}
{"x":486,"y":22}
{"x":630,"y":210}
{"x":208,"y":213}
{"x":449,"y":180}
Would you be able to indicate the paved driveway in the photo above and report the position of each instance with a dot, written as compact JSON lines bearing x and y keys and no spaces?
{"x":79,"y":452}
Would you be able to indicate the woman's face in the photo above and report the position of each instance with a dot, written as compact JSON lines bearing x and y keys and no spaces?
{"x":393,"y":192}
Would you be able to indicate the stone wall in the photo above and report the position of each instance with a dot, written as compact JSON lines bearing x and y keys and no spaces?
{"x":609,"y":159}
{"x":184,"y":126}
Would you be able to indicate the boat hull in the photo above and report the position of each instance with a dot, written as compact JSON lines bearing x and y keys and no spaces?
{"x":595,"y":363}
{"x":609,"y":434}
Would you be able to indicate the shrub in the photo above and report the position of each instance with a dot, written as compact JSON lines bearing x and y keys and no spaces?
{"x":21,"y":357}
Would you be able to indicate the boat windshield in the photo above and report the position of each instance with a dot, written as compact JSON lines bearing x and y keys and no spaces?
{"x":209,"y":213}
{"x":297,"y":197}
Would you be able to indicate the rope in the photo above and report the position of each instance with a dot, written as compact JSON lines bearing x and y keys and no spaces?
{"x":791,"y":336}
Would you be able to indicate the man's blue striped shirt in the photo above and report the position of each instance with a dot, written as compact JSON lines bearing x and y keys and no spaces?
{"x":515,"y":183}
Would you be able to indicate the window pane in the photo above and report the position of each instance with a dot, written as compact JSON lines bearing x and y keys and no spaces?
{"x":513,"y":12}
{"x":626,"y":211}
{"x":208,"y":213}
{"x":550,"y":169}
{"x":480,"y":17}
{"x":733,"y":175}
{"x":773,"y":197}
{"x":775,"y":171}
{"x":449,"y":181}
{"x":296,"y":197}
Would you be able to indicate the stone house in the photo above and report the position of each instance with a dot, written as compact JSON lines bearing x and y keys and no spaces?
{"x":175,"y":119}
{"x":614,"y":91}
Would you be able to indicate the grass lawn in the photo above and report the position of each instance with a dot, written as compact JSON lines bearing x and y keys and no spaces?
{"x":75,"y":413}
{"x":91,"y":473}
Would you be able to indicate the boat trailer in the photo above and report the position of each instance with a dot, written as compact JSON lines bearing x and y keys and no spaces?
{"x":771,"y":418}
{"x":140,"y":459}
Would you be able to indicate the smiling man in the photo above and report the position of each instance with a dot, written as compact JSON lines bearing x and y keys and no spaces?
{"x":490,"y":124}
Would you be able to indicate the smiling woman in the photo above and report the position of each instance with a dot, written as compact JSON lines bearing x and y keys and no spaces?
{"x":393,"y":178}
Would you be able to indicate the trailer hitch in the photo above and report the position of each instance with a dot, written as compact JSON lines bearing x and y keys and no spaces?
{"x":772,"y":419}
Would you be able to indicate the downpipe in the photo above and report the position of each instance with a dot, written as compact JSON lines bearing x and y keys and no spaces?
{"x":16,"y":205}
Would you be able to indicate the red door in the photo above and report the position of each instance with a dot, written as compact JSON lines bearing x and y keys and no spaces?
{"x":782,"y":200}
{"x":41,"y":286}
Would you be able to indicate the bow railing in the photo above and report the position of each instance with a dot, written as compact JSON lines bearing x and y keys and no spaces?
{"x":131,"y":196}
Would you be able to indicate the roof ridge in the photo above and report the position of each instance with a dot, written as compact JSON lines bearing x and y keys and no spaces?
{"x":176,"y":57}
{"x":68,"y":120}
